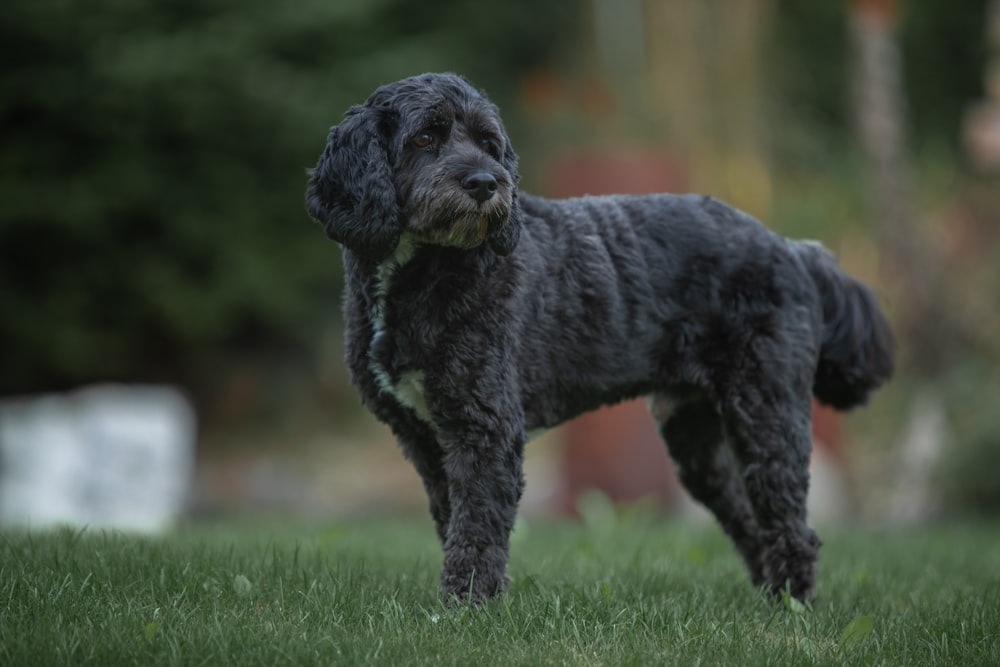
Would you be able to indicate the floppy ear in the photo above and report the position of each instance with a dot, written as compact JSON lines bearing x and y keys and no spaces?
{"x":504,"y":240}
{"x":350,"y":191}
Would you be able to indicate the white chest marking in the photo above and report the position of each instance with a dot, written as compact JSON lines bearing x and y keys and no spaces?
{"x":410,"y":392}
{"x":409,"y":389}
{"x":386,"y":272}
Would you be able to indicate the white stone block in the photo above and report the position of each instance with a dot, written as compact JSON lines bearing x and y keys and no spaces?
{"x":112,"y":456}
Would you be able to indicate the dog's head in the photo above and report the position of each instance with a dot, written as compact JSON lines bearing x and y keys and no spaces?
{"x":427,"y":156}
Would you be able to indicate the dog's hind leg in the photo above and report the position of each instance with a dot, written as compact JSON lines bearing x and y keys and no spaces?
{"x":696,"y":440}
{"x":770,"y":431}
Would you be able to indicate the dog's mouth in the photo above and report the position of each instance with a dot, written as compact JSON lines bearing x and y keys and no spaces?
{"x":464,"y":224}
{"x":469,"y":231}
{"x":467,"y":234}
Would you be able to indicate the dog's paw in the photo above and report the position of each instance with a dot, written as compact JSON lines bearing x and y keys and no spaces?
{"x":474,"y":590}
{"x":790,"y":566}
{"x":474,"y":575}
{"x":474,"y":587}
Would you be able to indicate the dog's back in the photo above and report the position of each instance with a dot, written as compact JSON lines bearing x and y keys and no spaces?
{"x":674,"y":278}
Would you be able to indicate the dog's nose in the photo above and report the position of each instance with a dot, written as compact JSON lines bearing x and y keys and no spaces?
{"x":480,"y":186}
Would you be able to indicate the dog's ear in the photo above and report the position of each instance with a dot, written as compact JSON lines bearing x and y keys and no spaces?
{"x":505,"y":239}
{"x":351,"y":192}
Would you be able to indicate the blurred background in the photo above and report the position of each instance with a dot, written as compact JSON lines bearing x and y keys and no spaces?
{"x":170,"y":319}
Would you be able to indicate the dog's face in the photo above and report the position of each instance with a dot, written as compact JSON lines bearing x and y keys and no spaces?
{"x":427,"y":156}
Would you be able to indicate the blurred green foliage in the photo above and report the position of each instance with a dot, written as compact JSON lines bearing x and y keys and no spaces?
{"x":943,"y":46}
{"x":966,"y":474}
{"x":152,"y":167}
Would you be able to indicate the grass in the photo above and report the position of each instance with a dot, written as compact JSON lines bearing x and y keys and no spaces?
{"x":625,"y":590}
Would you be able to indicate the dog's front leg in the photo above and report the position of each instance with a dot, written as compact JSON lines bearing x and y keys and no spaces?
{"x":483,"y":466}
{"x":424,"y":452}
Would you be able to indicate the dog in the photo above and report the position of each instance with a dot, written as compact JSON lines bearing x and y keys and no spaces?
{"x":477,"y":314}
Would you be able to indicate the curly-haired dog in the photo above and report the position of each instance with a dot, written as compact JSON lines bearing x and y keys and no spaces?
{"x":476,"y":313}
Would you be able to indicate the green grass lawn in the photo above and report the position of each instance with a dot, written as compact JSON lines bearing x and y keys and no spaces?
{"x":611,"y":591}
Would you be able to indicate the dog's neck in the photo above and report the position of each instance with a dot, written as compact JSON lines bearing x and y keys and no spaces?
{"x":383,"y":276}
{"x":384,"y":273}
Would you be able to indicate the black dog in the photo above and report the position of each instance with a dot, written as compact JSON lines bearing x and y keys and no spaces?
{"x":476,"y":313}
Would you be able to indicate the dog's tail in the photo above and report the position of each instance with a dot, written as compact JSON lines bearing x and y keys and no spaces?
{"x":856,"y":353}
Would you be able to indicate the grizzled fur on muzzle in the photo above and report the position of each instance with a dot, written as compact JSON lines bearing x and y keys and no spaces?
{"x":427,"y":157}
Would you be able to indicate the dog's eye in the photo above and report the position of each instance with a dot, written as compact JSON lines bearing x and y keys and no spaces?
{"x":489,"y":146}
{"x":423,"y":140}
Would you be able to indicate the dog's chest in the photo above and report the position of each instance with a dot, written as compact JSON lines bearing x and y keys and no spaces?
{"x":405,"y":385}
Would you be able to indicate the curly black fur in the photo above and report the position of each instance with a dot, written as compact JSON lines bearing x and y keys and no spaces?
{"x":477,"y":313}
